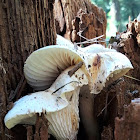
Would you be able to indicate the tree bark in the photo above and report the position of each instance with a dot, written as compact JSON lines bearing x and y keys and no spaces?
{"x":28,"y":25}
{"x":129,"y":121}
{"x":127,"y":124}
{"x":24,"y":27}
{"x":79,"y":16}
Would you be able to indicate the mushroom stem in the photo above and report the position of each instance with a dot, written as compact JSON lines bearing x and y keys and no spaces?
{"x":87,"y":115}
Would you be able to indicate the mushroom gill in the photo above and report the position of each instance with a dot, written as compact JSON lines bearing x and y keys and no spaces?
{"x":43,"y":66}
{"x":59,"y":103}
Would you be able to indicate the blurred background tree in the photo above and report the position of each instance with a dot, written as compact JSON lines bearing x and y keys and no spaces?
{"x":118,"y":12}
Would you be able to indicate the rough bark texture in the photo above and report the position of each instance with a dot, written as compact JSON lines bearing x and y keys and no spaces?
{"x":28,"y":25}
{"x":79,"y":16}
{"x":127,"y":124}
{"x":24,"y":27}
{"x":130,"y":45}
{"x":41,"y":128}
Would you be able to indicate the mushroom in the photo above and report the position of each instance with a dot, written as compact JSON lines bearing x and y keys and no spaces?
{"x":44,"y":65}
{"x":48,"y":69}
{"x":138,"y":18}
{"x":105,"y":66}
{"x":51,"y":71}
{"x":59,"y":103}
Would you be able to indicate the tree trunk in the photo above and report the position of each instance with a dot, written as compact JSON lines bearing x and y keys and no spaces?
{"x":128,"y":126}
{"x":24,"y":27}
{"x":28,"y":25}
{"x":79,"y":16}
{"x":127,"y":121}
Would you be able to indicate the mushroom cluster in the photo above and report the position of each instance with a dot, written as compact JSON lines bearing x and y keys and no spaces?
{"x":57,"y":73}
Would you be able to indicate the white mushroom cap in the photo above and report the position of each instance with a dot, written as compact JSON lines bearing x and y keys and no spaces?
{"x":64,"y":93}
{"x":24,"y":110}
{"x":44,"y":65}
{"x":106,"y":67}
{"x":65,"y":123}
